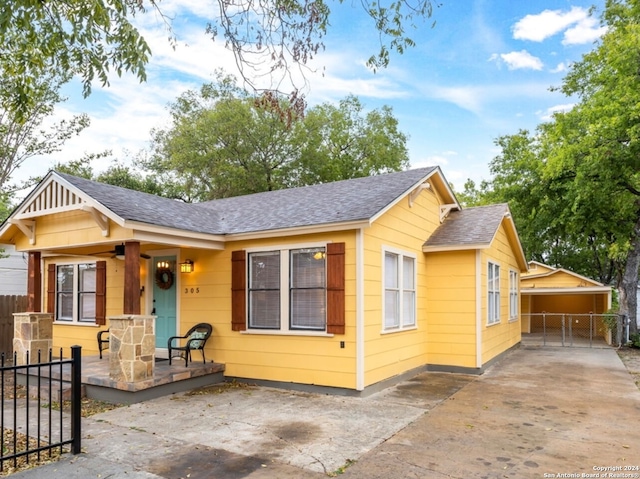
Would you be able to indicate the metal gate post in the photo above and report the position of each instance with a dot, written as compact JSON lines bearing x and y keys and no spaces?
{"x":544,"y":329}
{"x":570,"y":330}
{"x":591,"y":329}
{"x":76,"y":398}
{"x":563,"y":327}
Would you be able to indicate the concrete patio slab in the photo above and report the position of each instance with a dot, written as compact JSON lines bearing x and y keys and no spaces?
{"x":538,"y":411}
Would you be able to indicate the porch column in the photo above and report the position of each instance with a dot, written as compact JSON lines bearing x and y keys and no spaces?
{"x":132,"y":347}
{"x":34,"y":283}
{"x":131,"y":278}
{"x":32,"y":332}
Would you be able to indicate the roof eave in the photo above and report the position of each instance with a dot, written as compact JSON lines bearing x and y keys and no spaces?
{"x":560,"y":290}
{"x":454,"y":247}
{"x":442,"y":185}
{"x":175,"y":236}
{"x":299,"y":230}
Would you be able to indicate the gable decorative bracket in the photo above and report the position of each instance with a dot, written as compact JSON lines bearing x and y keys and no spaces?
{"x":101,"y":220}
{"x":28,"y":228}
{"x":415,"y":193}
{"x":445,"y":210}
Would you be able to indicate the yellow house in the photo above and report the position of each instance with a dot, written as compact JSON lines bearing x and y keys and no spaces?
{"x":555,"y":292}
{"x":349,"y":285}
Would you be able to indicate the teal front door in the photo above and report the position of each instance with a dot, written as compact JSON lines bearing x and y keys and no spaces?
{"x":164,"y":299}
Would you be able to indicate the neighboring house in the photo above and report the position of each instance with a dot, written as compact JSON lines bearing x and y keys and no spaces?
{"x":350,"y":285}
{"x":13,"y":272}
{"x":558,"y":291}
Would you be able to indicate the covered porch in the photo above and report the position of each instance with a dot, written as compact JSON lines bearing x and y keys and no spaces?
{"x":97,"y":383}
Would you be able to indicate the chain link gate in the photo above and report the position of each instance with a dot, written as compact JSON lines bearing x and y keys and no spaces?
{"x":577,"y":330}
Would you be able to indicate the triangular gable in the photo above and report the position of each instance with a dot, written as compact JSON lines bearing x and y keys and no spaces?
{"x":476,"y":228}
{"x":558,"y":278}
{"x":54,"y":195}
{"x":434,"y":182}
{"x":537,"y":268}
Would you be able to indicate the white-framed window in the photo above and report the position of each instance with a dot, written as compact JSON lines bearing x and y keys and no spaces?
{"x":513,"y":294}
{"x":287,"y":289}
{"x":76,"y":292}
{"x":493,"y":293}
{"x":399,"y":306}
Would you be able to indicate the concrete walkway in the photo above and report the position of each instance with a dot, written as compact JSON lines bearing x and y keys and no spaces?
{"x":538,"y":411}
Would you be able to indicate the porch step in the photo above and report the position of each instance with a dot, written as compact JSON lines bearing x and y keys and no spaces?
{"x":59,"y":392}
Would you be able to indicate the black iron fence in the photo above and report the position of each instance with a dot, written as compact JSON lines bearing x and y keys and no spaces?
{"x":30,"y":422}
{"x":578,"y":330}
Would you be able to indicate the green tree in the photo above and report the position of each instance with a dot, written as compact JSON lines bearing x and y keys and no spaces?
{"x":342,"y":142}
{"x":23,"y":136}
{"x":6,"y":205}
{"x":86,"y":38}
{"x":125,"y":176}
{"x":576,"y":184}
{"x":543,"y":210}
{"x":224,"y":142}
{"x":93,"y":38}
{"x":597,"y":143}
{"x":118,"y":174}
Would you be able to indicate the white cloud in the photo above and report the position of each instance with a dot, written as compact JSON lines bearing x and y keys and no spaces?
{"x":547,"y":115}
{"x":521,"y":60}
{"x":467,"y":98}
{"x":586,"y":31}
{"x":579,"y":28}
{"x":562,"y":67}
{"x":548,"y":23}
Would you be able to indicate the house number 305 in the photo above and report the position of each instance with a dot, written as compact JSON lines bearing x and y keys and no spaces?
{"x":191,"y":290}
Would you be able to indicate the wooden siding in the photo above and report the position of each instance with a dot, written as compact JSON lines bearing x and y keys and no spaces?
{"x":451,"y":293}
{"x":404,"y":229}
{"x":560,"y":279}
{"x":304,"y":359}
{"x":499,"y":337}
{"x":71,"y":228}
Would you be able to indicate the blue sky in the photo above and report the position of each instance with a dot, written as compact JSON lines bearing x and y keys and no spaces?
{"x":484,"y":70}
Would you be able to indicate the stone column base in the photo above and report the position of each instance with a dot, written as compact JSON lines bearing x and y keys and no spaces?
{"x":32,"y":332}
{"x":132,"y":347}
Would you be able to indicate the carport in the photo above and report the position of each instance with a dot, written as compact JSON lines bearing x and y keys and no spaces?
{"x":556,"y":297}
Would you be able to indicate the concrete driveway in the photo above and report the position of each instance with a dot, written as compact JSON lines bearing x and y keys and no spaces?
{"x":538,"y":411}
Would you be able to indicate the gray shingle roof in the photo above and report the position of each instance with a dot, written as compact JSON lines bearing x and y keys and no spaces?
{"x":341,"y":201}
{"x":468,"y":227}
{"x":146,"y":208}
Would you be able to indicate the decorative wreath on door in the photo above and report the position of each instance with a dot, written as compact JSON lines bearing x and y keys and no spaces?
{"x":164,"y":278}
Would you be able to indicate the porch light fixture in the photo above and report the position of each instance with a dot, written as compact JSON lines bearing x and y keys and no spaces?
{"x":119,"y":252}
{"x":187,"y":266}
{"x":163,"y":265}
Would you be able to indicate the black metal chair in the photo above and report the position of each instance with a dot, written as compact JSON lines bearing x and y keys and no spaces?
{"x":196,"y":338}
{"x":103,"y":343}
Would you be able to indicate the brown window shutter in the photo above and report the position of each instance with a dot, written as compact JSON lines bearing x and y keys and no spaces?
{"x":238,"y":291}
{"x":101,"y":293}
{"x":335,"y":288}
{"x":51,"y":288}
